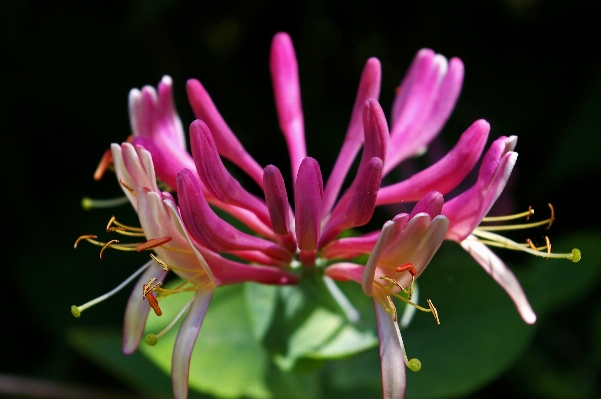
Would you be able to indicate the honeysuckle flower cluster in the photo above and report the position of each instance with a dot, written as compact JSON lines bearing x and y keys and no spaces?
{"x":189,"y":238}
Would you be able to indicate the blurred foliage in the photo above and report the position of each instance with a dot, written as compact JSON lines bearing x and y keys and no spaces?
{"x":532,"y":69}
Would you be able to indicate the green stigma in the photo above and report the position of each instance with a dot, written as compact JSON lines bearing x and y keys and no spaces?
{"x":75,"y":311}
{"x":575,"y":255}
{"x":151,"y":339}
{"x":415,"y":365}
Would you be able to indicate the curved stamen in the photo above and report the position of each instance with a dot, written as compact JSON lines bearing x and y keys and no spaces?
{"x":76,"y":310}
{"x":152,"y":339}
{"x":88,"y":203}
{"x":496,"y":240}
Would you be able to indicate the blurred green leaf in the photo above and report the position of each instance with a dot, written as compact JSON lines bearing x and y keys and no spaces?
{"x":261,"y":301}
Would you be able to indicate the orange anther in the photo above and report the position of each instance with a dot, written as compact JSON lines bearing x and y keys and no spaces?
{"x":552,"y":218}
{"x":407,"y":267}
{"x":154,"y":304}
{"x":530,"y":212}
{"x":105,"y":161}
{"x":155,"y":242}
{"x":108,"y":244}
{"x":84,"y":237}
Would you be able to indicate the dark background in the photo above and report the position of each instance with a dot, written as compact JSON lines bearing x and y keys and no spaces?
{"x":533,"y":69}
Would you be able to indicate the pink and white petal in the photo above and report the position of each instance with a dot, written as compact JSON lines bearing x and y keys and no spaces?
{"x":467,"y":209}
{"x":392,"y":358}
{"x":227,"y":143}
{"x":378,"y":250}
{"x":168,"y":159}
{"x":431,"y":204}
{"x":345,"y":271}
{"x":369,"y":87}
{"x":137,"y":309}
{"x":416,"y":243}
{"x":168,"y":114}
{"x":184,"y":343}
{"x":347,"y":248}
{"x":216,"y":178}
{"x":122,"y":173}
{"x":409,"y":136}
{"x":286,"y":88}
{"x":445,"y":174}
{"x":495,"y":267}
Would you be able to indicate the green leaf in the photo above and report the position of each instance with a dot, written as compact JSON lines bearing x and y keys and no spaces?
{"x":261,"y":301}
{"x":226,"y":361}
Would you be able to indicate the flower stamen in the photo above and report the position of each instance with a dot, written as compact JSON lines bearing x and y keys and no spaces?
{"x":147,"y":292}
{"x":152,"y":339}
{"x":88,"y":203}
{"x":108,"y":244}
{"x":103,"y":165}
{"x":153,"y":243}
{"x":161,"y":263}
{"x":486,"y":236}
{"x":76,"y":310}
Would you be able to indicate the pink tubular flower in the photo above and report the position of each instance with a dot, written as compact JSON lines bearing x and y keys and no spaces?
{"x":190,"y":237}
{"x":401,"y":253}
{"x":202,"y":269}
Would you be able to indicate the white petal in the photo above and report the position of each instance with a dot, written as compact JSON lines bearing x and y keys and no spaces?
{"x":502,"y":275}
{"x":391,"y":354}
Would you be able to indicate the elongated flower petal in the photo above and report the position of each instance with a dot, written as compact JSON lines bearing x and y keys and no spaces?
{"x":286,"y":88}
{"x":427,"y":96}
{"x":153,"y":115}
{"x":404,"y":240}
{"x":345,"y":271}
{"x":184,"y":343}
{"x":360,"y":208}
{"x":445,"y":174}
{"x":215,"y":176}
{"x":501,"y":274}
{"x":376,"y":145}
{"x":276,"y":198}
{"x":209,"y":229}
{"x":467,"y":209}
{"x":369,"y":87}
{"x":391,"y":355}
{"x":350,"y":247}
{"x":226,"y":141}
{"x":431,"y":204}
{"x":136,"y":311}
{"x":308,"y":193}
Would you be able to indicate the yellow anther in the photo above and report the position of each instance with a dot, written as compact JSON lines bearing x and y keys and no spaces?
{"x":161,"y":263}
{"x":149,"y":287}
{"x":393,"y":281}
{"x":434,"y":311}
{"x":548,"y":244}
